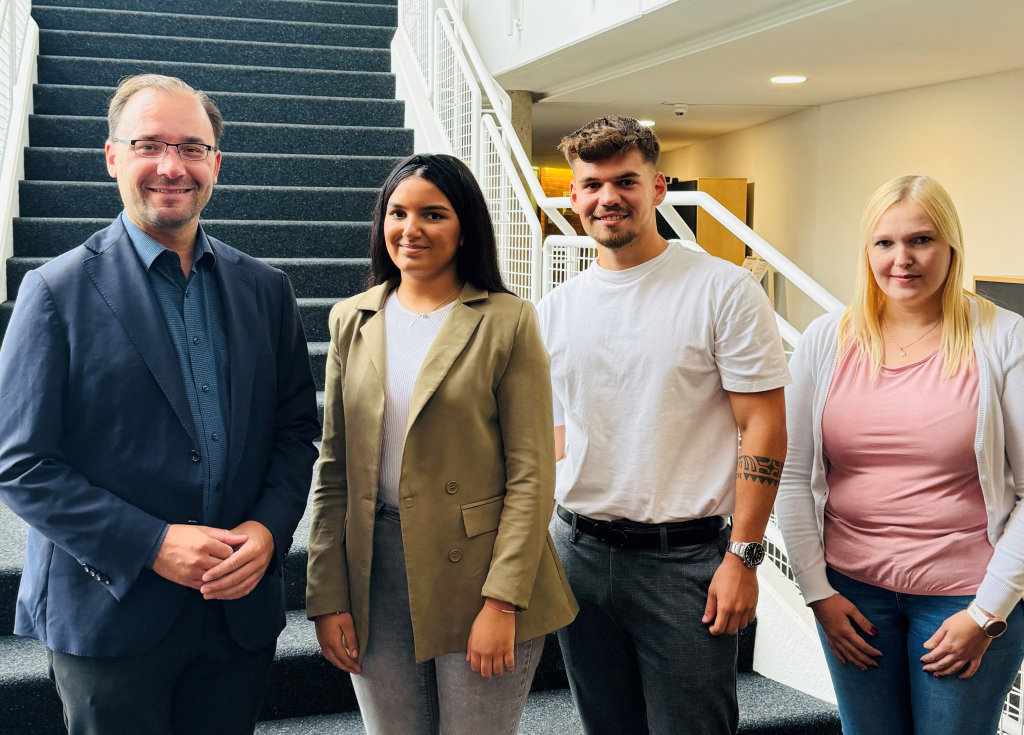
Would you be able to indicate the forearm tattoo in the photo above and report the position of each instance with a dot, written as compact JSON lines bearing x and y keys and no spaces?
{"x":759,"y":469}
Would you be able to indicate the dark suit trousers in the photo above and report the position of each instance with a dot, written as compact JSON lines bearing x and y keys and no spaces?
{"x":196,"y":680}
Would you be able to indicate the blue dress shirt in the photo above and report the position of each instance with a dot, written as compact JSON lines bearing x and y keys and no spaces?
{"x":194,"y":315}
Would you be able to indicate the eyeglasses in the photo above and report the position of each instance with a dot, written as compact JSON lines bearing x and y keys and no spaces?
{"x":157,"y":149}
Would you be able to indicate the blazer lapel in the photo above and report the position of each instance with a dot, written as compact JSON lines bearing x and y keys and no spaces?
{"x":243,"y":324}
{"x":121,"y":279}
{"x":448,"y":345}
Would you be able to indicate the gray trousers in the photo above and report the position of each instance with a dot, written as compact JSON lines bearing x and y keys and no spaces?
{"x":398,"y":696}
{"x":638,"y":657}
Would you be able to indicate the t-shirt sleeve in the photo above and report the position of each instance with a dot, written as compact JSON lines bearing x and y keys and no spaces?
{"x":556,"y":409}
{"x":748,"y":348}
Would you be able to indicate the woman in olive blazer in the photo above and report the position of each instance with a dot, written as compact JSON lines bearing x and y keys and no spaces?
{"x":465,"y":581}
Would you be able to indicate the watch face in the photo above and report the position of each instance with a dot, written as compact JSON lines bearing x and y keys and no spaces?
{"x":754,"y":555}
{"x":995,"y":628}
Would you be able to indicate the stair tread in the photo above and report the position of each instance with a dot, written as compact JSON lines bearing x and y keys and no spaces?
{"x":113,"y":35}
{"x":766,"y":706}
{"x":288,"y":69}
{"x":195,"y":26}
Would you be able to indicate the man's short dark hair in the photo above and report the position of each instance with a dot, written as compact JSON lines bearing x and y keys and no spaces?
{"x":609,"y":136}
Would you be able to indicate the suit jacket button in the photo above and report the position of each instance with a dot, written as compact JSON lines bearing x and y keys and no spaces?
{"x":195,"y":455}
{"x":452,"y":488}
{"x":455,"y":555}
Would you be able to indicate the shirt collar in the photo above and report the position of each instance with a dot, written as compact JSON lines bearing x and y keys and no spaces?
{"x":149,"y":249}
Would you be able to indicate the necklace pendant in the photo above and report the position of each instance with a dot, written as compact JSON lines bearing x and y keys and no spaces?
{"x":902,"y":353}
{"x":423,"y":316}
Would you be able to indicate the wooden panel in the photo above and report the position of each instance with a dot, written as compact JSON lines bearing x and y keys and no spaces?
{"x":712,"y":236}
{"x":1006,"y":291}
{"x":555,"y":183}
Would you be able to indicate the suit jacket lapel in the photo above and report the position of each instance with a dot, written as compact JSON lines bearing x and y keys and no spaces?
{"x":242,"y":321}
{"x":121,"y":279}
{"x":448,"y":345}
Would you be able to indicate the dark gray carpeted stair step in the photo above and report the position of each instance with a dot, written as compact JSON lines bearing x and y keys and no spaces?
{"x":318,"y":361}
{"x":6,"y":309}
{"x":68,"y":131}
{"x":245,"y":169}
{"x":12,"y":558}
{"x":315,"y":315}
{"x":220,"y":77}
{"x":311,"y":277}
{"x":766,"y":708}
{"x":96,"y":199}
{"x":336,"y":278}
{"x":320,"y":406}
{"x":210,"y":51}
{"x":79,"y":100}
{"x":309,"y":11}
{"x":30,"y":701}
{"x":47,"y":237}
{"x":208,"y":26}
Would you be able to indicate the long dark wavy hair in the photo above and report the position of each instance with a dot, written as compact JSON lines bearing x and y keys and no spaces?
{"x":477,"y":258}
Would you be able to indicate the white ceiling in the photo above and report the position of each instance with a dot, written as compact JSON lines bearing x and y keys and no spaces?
{"x":717,"y":56}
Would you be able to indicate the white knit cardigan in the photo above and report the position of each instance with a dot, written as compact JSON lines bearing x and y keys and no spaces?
{"x":998,"y":447}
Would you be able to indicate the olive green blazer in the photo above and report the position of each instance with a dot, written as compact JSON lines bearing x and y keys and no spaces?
{"x":477,"y":482}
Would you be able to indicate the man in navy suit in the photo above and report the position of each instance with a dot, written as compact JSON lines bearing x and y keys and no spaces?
{"x":157,"y":419}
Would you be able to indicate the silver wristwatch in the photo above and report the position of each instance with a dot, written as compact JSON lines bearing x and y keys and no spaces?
{"x":993,"y":627}
{"x":750,"y":553}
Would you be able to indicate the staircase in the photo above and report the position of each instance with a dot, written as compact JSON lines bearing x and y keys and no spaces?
{"x":312,"y":130}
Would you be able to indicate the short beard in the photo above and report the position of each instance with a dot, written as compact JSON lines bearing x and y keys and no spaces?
{"x":166,"y":220}
{"x":618,"y":240}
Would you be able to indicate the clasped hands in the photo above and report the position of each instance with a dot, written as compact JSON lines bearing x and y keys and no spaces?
{"x":957,"y":646}
{"x":221,"y":564}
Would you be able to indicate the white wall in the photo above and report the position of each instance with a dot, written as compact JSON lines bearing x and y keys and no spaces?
{"x":548,"y":25}
{"x":814,"y":170}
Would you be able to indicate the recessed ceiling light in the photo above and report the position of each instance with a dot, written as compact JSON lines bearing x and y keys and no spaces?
{"x":789,"y":80}
{"x":646,"y":123}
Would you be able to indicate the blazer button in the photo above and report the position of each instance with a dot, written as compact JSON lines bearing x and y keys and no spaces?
{"x":455,"y":555}
{"x":194,"y":455}
{"x":452,"y":488}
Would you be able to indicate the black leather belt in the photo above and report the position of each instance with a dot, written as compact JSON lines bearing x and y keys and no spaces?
{"x":632,"y":535}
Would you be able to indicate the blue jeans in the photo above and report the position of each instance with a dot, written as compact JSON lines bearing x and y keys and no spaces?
{"x":898,"y":697}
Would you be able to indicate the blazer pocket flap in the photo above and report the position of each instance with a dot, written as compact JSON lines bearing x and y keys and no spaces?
{"x":483,"y":516}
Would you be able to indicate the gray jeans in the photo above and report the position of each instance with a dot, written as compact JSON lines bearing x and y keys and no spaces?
{"x":398,"y":696}
{"x":638,"y":657}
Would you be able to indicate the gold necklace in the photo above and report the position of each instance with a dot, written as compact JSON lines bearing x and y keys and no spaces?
{"x":903,"y":351}
{"x":424,"y":315}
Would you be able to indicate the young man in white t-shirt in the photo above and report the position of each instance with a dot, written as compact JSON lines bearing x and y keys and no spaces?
{"x":659,"y":355}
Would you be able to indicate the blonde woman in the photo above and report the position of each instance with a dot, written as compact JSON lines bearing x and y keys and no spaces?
{"x":898,"y":503}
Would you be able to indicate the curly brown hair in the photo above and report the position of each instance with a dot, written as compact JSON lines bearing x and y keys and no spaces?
{"x":609,"y":136}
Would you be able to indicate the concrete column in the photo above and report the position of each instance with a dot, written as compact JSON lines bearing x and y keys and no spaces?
{"x":522,"y":118}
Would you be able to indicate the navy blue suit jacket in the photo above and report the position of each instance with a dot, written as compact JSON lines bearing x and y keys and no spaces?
{"x":96,"y":443}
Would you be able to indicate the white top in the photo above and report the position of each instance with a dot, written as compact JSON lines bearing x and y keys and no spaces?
{"x":408,"y":336}
{"x":998,"y":448}
{"x":641,"y":360}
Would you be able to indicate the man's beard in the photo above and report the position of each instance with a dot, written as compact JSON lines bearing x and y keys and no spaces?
{"x":168,"y":219}
{"x":616,"y":240}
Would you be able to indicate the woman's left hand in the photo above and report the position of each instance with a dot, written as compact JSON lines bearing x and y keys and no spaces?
{"x":492,"y":641}
{"x":958,"y":641}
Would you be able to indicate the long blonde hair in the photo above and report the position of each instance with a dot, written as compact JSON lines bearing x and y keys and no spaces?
{"x":861,"y":325}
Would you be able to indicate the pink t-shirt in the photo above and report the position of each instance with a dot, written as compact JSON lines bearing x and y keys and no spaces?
{"x":905,"y":509}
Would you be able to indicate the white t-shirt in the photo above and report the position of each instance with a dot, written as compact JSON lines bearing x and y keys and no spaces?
{"x":641,"y":360}
{"x":408,"y":336}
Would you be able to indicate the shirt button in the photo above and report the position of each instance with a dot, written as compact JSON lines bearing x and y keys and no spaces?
{"x":455,"y":555}
{"x":186,"y":294}
{"x":195,"y":455}
{"x":213,"y":436}
{"x":195,"y":340}
{"x":206,"y":389}
{"x":217,"y":489}
{"x":451,"y":488}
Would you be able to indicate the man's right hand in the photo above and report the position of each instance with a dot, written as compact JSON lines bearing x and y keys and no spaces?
{"x":188,"y":551}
